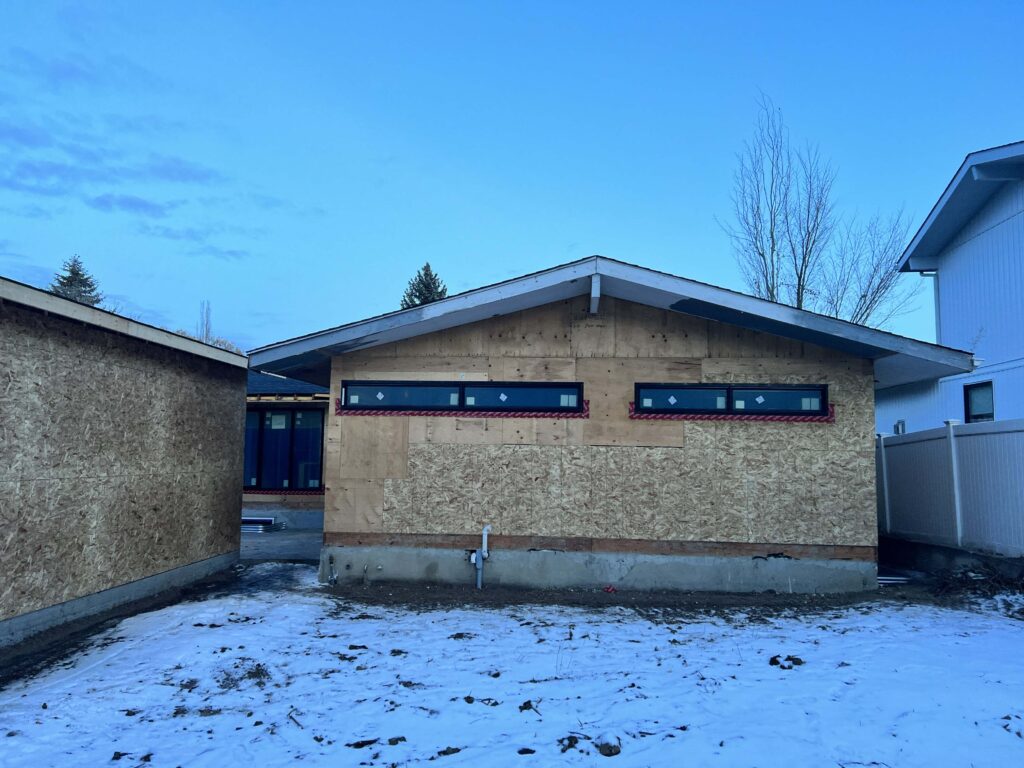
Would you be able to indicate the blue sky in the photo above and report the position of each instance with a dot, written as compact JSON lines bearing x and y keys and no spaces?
{"x":295,"y":163}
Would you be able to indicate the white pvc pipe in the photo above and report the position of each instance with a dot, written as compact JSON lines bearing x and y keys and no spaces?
{"x":487,"y":529}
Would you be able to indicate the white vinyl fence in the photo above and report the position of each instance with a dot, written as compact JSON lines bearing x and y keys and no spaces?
{"x":961,"y":486}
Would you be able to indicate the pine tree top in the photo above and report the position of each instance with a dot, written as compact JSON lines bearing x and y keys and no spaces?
{"x":424,"y":288}
{"x":75,"y":283}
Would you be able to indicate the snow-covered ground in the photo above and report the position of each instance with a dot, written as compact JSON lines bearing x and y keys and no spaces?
{"x":280,"y":671}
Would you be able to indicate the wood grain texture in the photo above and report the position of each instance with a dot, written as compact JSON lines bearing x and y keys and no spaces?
{"x":609,"y":477}
{"x":118,"y":459}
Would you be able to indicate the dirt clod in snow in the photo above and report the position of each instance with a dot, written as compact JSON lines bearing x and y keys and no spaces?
{"x":608,"y":749}
{"x":568,"y":742}
{"x":527,"y":751}
{"x":362,"y":744}
{"x":396,"y":740}
{"x":787,"y":663}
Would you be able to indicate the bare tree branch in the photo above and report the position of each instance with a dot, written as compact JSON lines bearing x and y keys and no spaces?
{"x":791,"y":244}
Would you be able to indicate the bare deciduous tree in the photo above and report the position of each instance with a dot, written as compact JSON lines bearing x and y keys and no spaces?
{"x":791,"y":244}
{"x":861,"y":282}
{"x":204,"y":330}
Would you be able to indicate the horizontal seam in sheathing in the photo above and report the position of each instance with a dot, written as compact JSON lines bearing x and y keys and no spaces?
{"x":794,"y":418}
{"x":584,"y":414}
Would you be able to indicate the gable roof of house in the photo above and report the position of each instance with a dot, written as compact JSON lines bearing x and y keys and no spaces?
{"x":898,"y":360}
{"x":44,"y":301}
{"x":981,"y":175}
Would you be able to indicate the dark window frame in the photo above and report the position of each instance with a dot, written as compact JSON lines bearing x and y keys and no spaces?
{"x":970,"y":418}
{"x":292,"y":408}
{"x":462,"y":407}
{"x":729,"y":409}
{"x":388,"y":407}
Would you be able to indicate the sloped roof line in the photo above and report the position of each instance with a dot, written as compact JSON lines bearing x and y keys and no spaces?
{"x":595,"y":259}
{"x":962,"y":198}
{"x":912,"y":360}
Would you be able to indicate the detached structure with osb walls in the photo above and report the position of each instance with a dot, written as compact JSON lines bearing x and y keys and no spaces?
{"x":120,"y":460}
{"x":612,"y":425}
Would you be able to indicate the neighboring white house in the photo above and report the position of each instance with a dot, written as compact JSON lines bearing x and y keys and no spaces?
{"x":972,"y":244}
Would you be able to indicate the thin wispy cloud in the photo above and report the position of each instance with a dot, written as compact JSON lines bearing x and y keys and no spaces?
{"x":217,"y":252}
{"x":78,"y":70}
{"x":133,"y":204}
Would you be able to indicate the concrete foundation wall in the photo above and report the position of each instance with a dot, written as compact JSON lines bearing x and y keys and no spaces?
{"x":553,"y":569}
{"x":119,"y":459}
{"x":26,"y":625}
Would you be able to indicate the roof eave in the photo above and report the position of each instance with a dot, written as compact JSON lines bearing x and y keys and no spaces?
{"x":983,"y":171}
{"x":308,"y":357}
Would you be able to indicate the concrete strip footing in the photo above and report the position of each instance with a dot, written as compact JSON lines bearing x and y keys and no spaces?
{"x":555,"y":569}
{"x":20,"y":628}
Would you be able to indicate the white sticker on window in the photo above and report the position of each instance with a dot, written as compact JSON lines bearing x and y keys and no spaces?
{"x":672,"y":400}
{"x":470,"y":400}
{"x":314,"y":483}
{"x":353,"y":399}
{"x":503,"y":397}
{"x":759,"y":399}
{"x":741,"y":404}
{"x":720,"y":402}
{"x":252,"y":481}
{"x":810,"y":404}
{"x":285,"y":484}
{"x":572,"y":401}
{"x":453,"y":399}
{"x":380,"y":395}
{"x":279,"y":421}
{"x":648,"y":402}
{"x":563,"y":400}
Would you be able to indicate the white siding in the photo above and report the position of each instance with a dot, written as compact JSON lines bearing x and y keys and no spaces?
{"x":926,"y":406}
{"x":981,"y":309}
{"x":981,"y":281}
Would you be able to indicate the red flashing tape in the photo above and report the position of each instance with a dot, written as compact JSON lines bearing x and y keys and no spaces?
{"x":787,"y":418}
{"x":584,"y":414}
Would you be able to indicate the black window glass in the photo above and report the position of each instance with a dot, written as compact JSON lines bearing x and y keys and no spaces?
{"x":276,"y":448}
{"x":773,"y":400}
{"x":523,"y":397}
{"x":398,"y":396}
{"x":252,"y":447}
{"x":979,"y":402}
{"x":682,"y":399}
{"x":306,"y":448}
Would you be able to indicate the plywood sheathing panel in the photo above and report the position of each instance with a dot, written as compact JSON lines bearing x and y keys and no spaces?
{"x":118,"y":459}
{"x":374,"y":447}
{"x":356,"y":505}
{"x":627,"y":492}
{"x":609,"y":477}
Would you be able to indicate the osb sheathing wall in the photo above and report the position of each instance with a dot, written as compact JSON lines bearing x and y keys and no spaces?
{"x":118,"y":459}
{"x":606,"y":477}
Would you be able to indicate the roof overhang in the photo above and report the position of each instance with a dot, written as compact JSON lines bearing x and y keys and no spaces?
{"x":44,"y":301}
{"x":898,"y":360}
{"x":981,"y":176}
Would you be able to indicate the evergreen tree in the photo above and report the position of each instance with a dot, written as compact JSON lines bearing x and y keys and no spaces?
{"x":424,"y":288}
{"x":74,"y":283}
